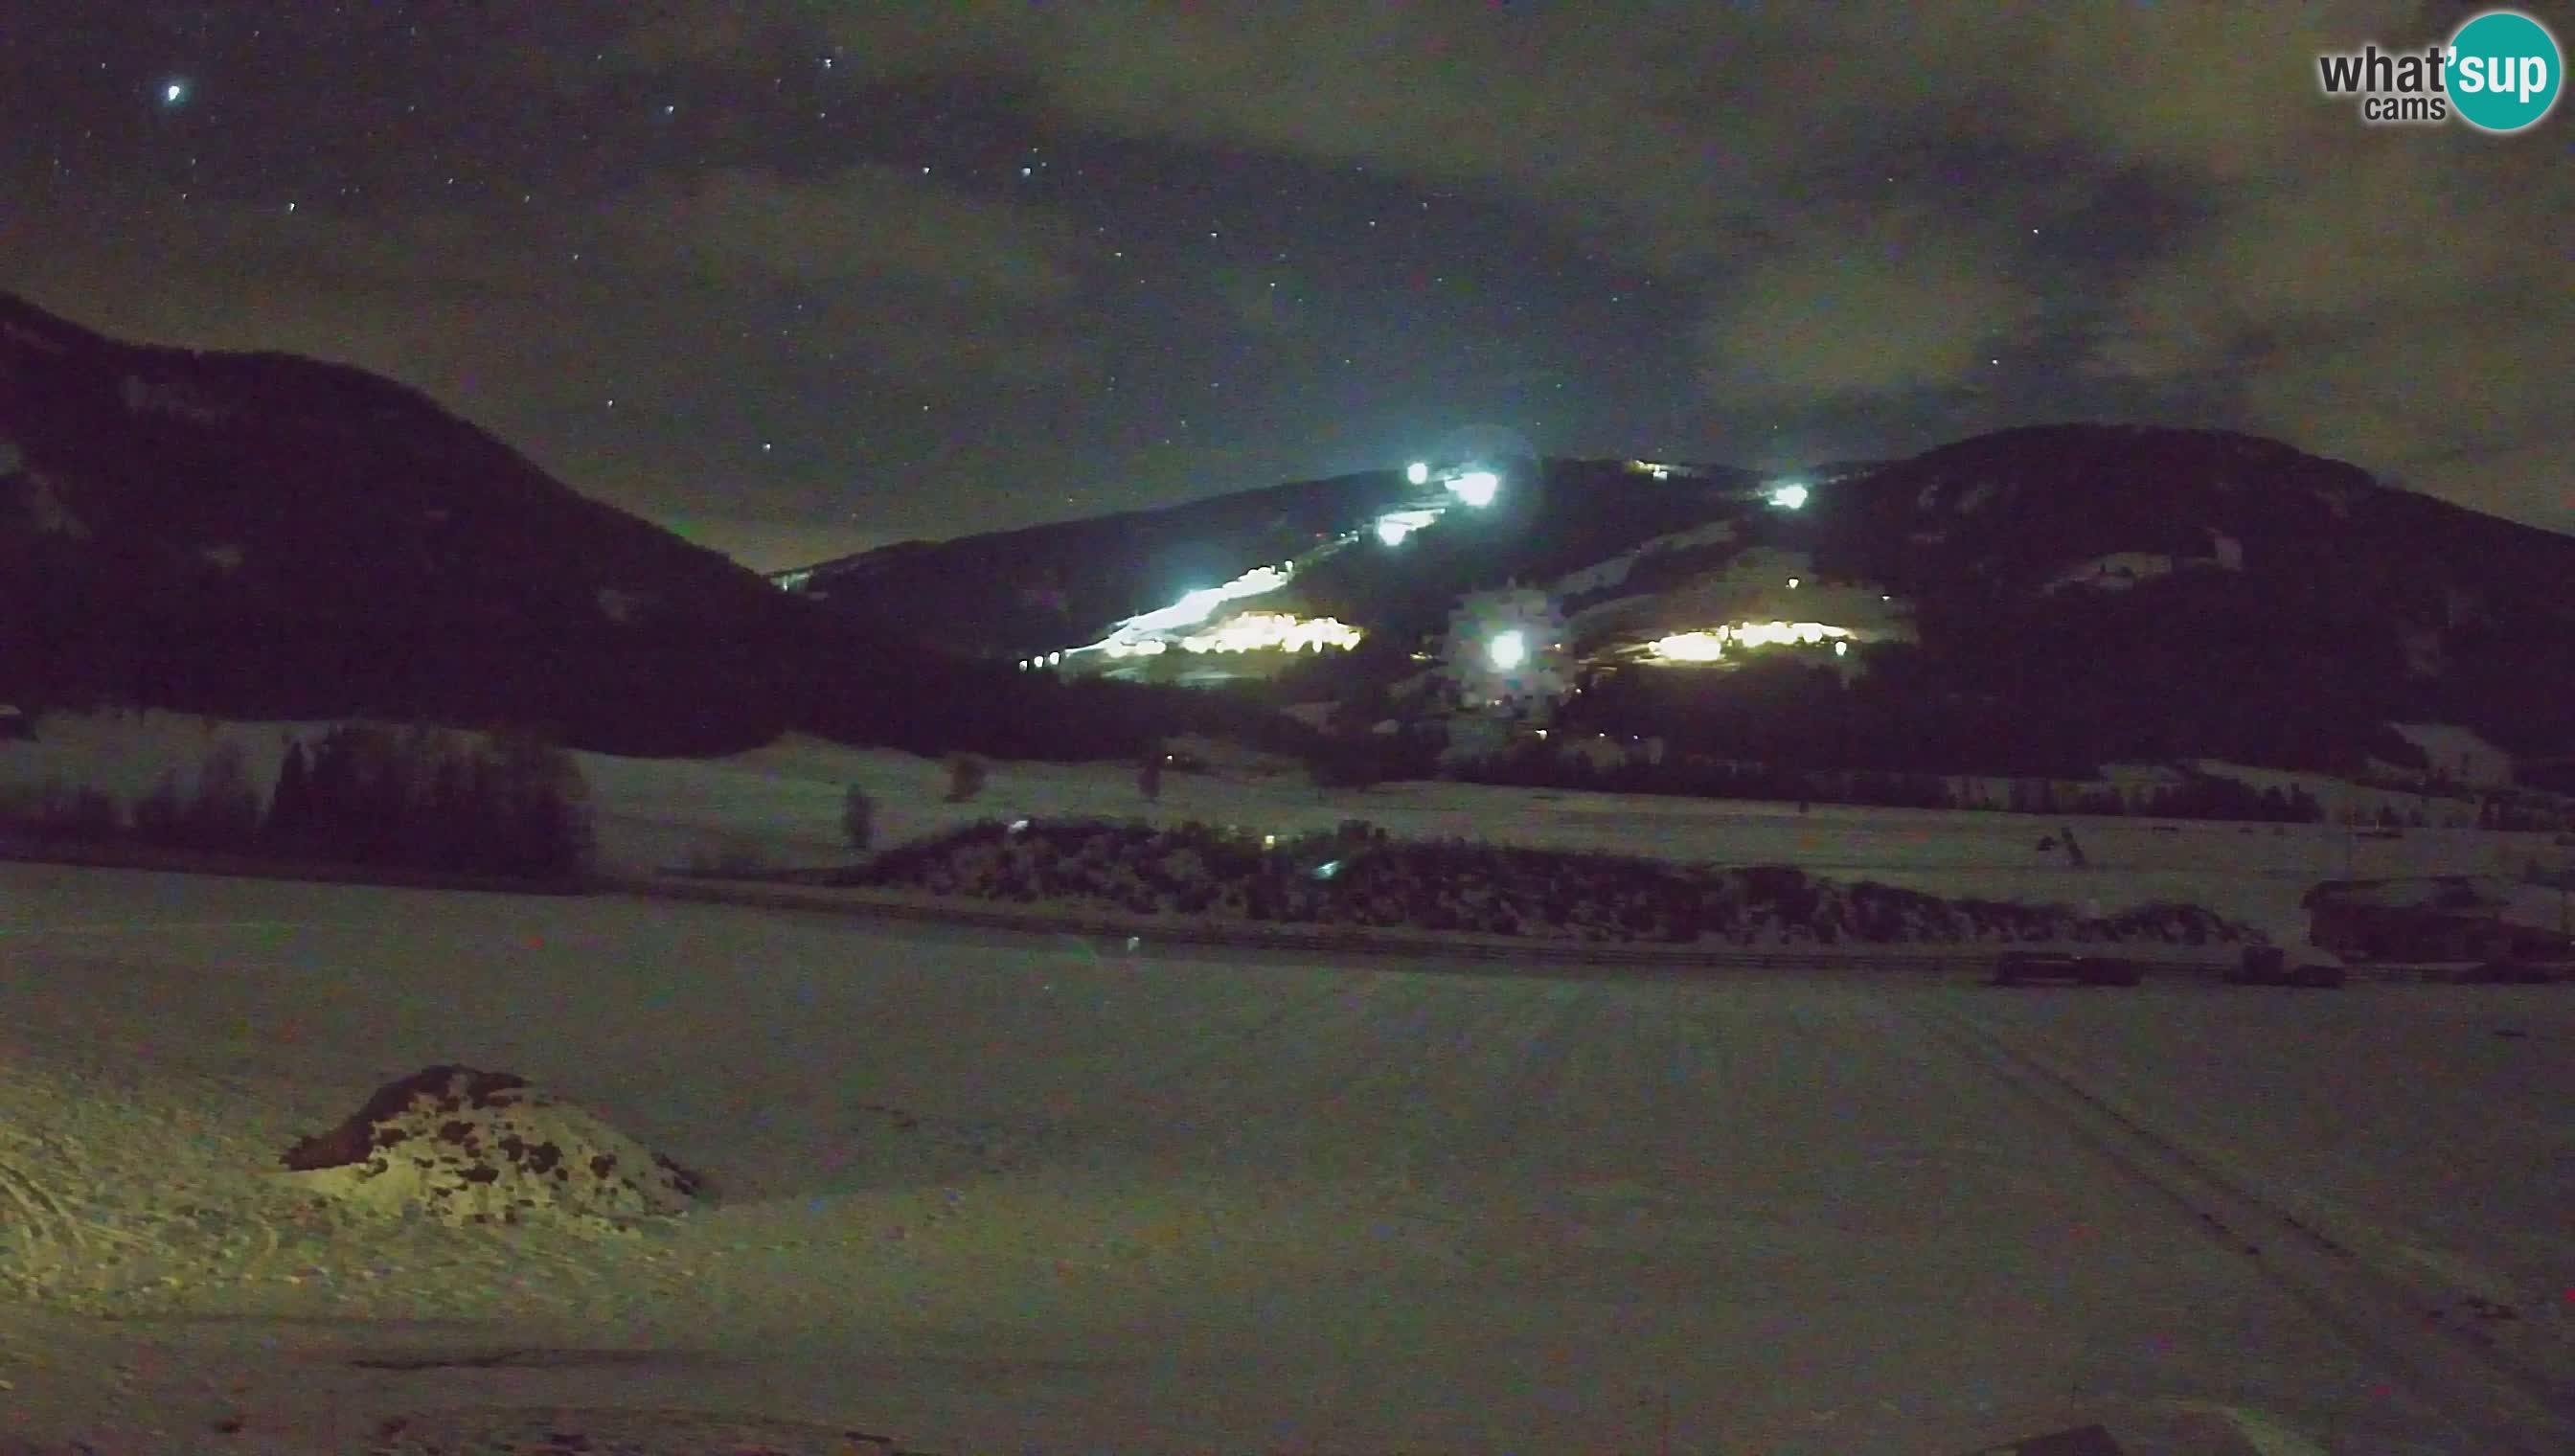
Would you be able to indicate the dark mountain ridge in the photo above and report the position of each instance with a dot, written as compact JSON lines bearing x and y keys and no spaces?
{"x":2077,"y":592}
{"x":266,"y":536}
{"x":2261,"y":580}
{"x":263,"y":533}
{"x":1045,"y":588}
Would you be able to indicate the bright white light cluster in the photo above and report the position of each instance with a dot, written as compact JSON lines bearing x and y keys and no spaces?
{"x":1476,"y":487}
{"x":1507,"y":646}
{"x":1195,"y":605}
{"x":1261,"y":631}
{"x":1788,"y":496}
{"x":1710,"y":645}
{"x":1250,"y":633}
{"x":1395,"y":525}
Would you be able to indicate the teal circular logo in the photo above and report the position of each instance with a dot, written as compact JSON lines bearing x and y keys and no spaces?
{"x":2504,"y":71}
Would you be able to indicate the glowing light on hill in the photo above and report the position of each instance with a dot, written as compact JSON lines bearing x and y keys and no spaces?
{"x":1713,"y":644}
{"x":1774,"y":633}
{"x":1418,"y":472}
{"x":1273,"y":631}
{"x":1251,"y":632}
{"x":1789,"y":497}
{"x":1476,"y":487}
{"x":1688,"y":646}
{"x":1507,"y":651}
{"x":1395,"y":525}
{"x":1194,"y":606}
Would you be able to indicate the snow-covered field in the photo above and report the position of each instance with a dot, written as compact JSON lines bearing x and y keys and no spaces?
{"x":785,"y":799}
{"x":993,"y":1195}
{"x":788,"y":799}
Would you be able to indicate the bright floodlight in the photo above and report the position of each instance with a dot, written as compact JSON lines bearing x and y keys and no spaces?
{"x":1476,"y":487}
{"x":1418,"y":472}
{"x":1391,"y":531}
{"x":1507,"y":650}
{"x":1788,"y":496}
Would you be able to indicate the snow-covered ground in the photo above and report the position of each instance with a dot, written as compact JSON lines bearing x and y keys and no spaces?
{"x":786,"y":801}
{"x":788,"y":797}
{"x":995,"y":1194}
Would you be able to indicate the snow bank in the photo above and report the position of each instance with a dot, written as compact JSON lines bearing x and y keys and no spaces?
{"x":468,"y":1146}
{"x":1359,"y":877}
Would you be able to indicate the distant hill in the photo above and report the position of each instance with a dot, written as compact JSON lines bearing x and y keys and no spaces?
{"x":2186,"y":590}
{"x":1058,"y":585}
{"x":265,"y":534}
{"x":2043,"y":598}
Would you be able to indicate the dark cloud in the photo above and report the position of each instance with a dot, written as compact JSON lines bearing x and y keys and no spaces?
{"x":1158,"y":252}
{"x":1870,"y":305}
{"x":736,"y":225}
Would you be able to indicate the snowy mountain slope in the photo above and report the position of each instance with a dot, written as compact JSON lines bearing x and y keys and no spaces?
{"x":2215,"y":581}
{"x":2094,"y":592}
{"x":1066,"y":585}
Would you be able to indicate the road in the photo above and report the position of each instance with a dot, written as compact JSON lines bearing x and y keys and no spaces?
{"x":1009,"y":1194}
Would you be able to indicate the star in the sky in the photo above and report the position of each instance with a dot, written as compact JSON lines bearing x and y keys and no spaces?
{"x":177,"y":92}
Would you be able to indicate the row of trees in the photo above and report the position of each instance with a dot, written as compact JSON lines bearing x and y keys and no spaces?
{"x":511,"y":804}
{"x":1537,"y":765}
{"x":2197,"y":796}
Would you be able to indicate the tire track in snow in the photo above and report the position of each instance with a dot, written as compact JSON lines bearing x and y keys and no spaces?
{"x":59,"y":1240}
{"x":2510,"y":1406}
{"x":42,"y":1227}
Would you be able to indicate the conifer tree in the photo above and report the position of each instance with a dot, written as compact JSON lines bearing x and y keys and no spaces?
{"x":290,"y":805}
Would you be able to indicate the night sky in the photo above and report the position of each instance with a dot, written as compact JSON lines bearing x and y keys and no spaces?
{"x":800,"y":278}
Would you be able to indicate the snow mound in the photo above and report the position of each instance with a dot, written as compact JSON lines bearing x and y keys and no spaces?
{"x":469,"y":1146}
